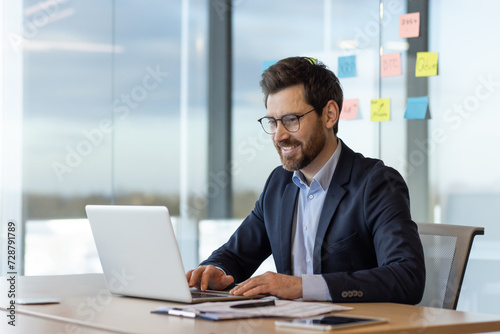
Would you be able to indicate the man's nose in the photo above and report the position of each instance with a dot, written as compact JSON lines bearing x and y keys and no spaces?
{"x":281,"y":133}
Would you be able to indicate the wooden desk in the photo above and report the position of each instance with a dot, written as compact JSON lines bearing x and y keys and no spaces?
{"x":34,"y":325}
{"x":87,"y":307}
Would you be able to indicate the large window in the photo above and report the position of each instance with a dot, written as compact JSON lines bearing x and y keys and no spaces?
{"x":463,"y":138}
{"x":110,"y":91}
{"x":106,"y":102}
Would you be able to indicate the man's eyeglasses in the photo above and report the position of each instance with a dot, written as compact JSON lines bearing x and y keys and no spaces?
{"x":290,"y":122}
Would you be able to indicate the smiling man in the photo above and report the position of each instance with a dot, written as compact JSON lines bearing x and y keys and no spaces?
{"x":337,"y":224}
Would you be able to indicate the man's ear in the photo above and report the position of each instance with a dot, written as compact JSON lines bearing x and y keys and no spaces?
{"x":331,"y":114}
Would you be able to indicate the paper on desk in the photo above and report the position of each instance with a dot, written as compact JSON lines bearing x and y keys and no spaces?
{"x":283,"y":308}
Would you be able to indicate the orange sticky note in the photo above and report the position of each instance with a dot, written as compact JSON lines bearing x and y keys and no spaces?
{"x":390,"y":64}
{"x":380,"y":110}
{"x":409,"y":25}
{"x":427,"y":64}
{"x":349,"y":109}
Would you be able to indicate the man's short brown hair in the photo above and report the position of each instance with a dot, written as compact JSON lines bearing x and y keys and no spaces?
{"x":320,"y":84}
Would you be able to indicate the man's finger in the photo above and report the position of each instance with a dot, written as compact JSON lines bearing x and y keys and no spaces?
{"x":195,"y":277}
{"x":260,"y":289}
{"x":205,"y":277}
{"x":188,"y":275}
{"x":246,"y":285}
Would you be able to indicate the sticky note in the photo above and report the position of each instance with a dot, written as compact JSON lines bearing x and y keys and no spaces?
{"x":427,"y":64}
{"x":416,"y":107}
{"x":390,"y":64}
{"x":267,"y":63}
{"x":346,"y":67}
{"x":312,"y":60}
{"x":409,"y":25}
{"x":380,"y":110}
{"x":349,"y":109}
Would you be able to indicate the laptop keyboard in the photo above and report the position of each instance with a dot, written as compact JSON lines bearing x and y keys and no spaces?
{"x":204,"y":294}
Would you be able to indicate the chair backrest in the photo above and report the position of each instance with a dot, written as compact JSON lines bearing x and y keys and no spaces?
{"x":446,"y":250}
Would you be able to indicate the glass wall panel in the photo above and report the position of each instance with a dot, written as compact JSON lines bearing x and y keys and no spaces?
{"x":104,"y":87}
{"x":67,"y":128}
{"x":263,"y":31}
{"x":67,"y":114}
{"x":356,"y":35}
{"x":463,"y":137}
{"x":146,"y":104}
{"x":266,"y":31}
{"x":393,"y":133}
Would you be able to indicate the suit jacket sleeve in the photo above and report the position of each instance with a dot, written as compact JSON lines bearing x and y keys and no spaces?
{"x":247,"y":248}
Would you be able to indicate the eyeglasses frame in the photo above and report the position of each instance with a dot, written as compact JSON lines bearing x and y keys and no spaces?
{"x":281,"y":120}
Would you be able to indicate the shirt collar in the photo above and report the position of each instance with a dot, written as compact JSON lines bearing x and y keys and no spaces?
{"x":324,"y":176}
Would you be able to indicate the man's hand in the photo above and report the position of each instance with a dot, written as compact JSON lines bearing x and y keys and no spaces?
{"x":279,"y":285}
{"x":208,"y":277}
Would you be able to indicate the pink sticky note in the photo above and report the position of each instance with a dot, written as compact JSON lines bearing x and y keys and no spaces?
{"x":349,"y":109}
{"x":390,"y":64}
{"x":409,"y":25}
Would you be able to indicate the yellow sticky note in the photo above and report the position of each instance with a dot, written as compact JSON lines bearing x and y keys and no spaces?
{"x":427,"y":64}
{"x":380,"y":110}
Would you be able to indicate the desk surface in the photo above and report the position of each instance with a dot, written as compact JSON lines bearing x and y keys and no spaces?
{"x":87,"y":307}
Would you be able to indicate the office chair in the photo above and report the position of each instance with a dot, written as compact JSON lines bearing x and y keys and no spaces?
{"x":446,"y":251}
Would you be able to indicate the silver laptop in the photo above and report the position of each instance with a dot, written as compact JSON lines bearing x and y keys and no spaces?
{"x":139,"y":254}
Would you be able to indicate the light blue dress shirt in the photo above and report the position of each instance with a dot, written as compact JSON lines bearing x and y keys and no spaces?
{"x":306,"y":219}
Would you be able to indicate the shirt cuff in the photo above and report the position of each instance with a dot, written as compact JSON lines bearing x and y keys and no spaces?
{"x":314,"y":288}
{"x":221,"y":270}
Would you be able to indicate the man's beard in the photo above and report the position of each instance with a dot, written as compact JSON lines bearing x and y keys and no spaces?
{"x":309,"y":149}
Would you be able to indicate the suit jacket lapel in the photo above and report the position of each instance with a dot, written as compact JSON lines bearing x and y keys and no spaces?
{"x":288,"y":202}
{"x":335,"y":193}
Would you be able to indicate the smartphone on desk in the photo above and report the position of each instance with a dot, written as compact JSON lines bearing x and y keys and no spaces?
{"x":330,"y":322}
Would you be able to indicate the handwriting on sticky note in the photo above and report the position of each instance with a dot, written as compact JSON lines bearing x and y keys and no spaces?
{"x":346,"y":67}
{"x":409,"y":25}
{"x":380,"y":110}
{"x":416,"y":107}
{"x":390,"y":64}
{"x":427,"y":64}
{"x":349,"y":109}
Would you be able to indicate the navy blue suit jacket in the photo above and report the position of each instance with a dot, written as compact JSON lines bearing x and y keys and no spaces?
{"x":367,"y":247}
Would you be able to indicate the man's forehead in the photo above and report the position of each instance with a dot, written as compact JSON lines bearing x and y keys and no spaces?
{"x":288,"y":100}
{"x":297,"y":89}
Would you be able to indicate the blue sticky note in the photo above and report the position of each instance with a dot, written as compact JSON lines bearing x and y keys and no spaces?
{"x":346,"y":67}
{"x":416,"y":108}
{"x":267,"y":63}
